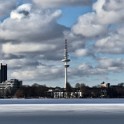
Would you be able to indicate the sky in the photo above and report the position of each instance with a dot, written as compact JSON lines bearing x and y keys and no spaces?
{"x":32,"y":34}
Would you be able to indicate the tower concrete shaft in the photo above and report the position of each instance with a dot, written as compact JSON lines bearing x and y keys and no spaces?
{"x":66,"y":65}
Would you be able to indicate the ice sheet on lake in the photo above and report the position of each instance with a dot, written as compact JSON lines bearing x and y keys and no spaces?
{"x":62,"y":113}
{"x":84,"y":108}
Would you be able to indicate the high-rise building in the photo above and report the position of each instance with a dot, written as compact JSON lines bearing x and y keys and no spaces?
{"x":3,"y":73}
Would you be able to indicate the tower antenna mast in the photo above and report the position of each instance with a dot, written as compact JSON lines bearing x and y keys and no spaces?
{"x":66,"y":65}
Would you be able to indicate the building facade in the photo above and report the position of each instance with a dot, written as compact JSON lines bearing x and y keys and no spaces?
{"x":9,"y":87}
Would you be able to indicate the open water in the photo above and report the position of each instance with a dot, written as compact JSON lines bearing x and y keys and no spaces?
{"x":62,"y":111}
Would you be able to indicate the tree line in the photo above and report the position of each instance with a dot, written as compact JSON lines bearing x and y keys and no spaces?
{"x":42,"y":91}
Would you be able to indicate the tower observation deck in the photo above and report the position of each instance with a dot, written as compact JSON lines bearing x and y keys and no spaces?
{"x":66,"y":65}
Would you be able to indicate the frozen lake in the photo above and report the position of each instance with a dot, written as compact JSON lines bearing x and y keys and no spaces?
{"x":62,"y":111}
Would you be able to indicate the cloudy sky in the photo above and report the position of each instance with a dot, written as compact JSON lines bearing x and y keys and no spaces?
{"x":32,"y":34}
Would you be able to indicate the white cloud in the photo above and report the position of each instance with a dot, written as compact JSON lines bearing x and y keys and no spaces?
{"x":113,"y":65}
{"x":84,"y":67}
{"x":104,"y":67}
{"x":34,"y":28}
{"x":84,"y":70}
{"x":58,"y":3}
{"x":109,"y":12}
{"x":37,"y":32}
{"x":97,"y":23}
{"x":21,"y":12}
{"x":22,"y":63}
{"x":112,"y":44}
{"x":88,"y":26}
{"x":114,"y":5}
{"x":26,"y":75}
{"x":82,"y":52}
{"x":41,"y":72}
{"x":9,"y":48}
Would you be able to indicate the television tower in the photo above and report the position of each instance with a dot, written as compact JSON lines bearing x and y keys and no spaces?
{"x":66,"y":60}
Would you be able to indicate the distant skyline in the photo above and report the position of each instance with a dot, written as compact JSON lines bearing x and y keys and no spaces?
{"x":32,"y":34}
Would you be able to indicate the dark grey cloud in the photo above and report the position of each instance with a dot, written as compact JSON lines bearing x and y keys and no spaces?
{"x":12,"y":56}
{"x":6,"y":6}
